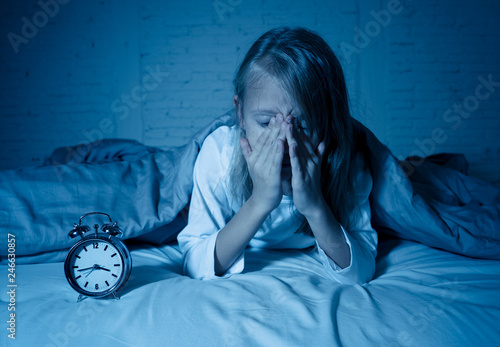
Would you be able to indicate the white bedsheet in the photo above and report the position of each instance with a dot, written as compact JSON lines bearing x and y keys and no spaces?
{"x":420,"y":297}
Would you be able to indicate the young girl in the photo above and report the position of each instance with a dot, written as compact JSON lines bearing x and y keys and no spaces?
{"x":288,"y":174}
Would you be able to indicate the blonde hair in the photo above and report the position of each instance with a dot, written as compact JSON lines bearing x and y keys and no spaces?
{"x":306,"y":67}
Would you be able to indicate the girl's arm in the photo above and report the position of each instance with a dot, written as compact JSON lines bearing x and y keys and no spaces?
{"x":329,"y":235}
{"x":309,"y":201}
{"x":264,"y":165}
{"x":361,"y":240}
{"x":235,"y":236}
{"x":347,"y":257}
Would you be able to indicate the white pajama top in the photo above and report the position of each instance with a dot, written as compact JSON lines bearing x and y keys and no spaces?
{"x":212,"y":206}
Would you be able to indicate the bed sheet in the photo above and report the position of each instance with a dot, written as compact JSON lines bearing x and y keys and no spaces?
{"x":420,"y":297}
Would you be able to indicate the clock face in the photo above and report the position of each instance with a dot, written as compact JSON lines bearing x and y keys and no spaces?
{"x":95,"y":267}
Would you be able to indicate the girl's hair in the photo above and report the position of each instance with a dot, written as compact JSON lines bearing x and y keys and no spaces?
{"x":308,"y":70}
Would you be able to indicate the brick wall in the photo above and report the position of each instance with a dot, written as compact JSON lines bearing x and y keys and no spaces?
{"x":157,"y":71}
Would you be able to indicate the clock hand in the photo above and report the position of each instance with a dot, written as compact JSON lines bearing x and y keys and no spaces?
{"x":95,"y":267}
{"x":102,"y":268}
{"x":87,"y":275}
{"x":86,"y":268}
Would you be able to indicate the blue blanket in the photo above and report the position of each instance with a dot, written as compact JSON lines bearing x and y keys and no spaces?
{"x":147,"y":190}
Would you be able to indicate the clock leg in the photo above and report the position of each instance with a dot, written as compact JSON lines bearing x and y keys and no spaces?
{"x":81,"y":297}
{"x":116,"y":296}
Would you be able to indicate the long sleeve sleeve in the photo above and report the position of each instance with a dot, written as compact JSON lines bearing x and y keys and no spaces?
{"x":362,"y":240}
{"x":209,"y":209}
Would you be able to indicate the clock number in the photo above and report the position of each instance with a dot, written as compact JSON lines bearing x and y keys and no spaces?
{"x":95,"y":245}
{"x":96,"y":286}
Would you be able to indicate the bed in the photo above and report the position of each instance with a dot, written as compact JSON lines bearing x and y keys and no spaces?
{"x":437,"y":276}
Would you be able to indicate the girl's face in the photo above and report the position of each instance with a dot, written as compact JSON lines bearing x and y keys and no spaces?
{"x":265,"y":99}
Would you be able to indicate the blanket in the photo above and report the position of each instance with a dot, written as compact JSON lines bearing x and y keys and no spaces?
{"x":146,"y":190}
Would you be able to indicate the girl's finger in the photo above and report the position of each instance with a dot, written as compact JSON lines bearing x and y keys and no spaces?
{"x":263,"y":138}
{"x":294,"y":161}
{"x":308,"y":146}
{"x":276,"y":128}
{"x":278,"y":157}
{"x":296,"y":152}
{"x":306,"y":142}
{"x":289,"y":136}
{"x":245,"y":148}
{"x":298,"y":159}
{"x":283,"y":128}
{"x":305,"y":150}
{"x":321,"y":149}
{"x":268,"y":147}
{"x":317,"y":157}
{"x":274,"y":131}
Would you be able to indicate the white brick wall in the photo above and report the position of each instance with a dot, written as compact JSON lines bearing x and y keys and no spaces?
{"x":157,"y":71}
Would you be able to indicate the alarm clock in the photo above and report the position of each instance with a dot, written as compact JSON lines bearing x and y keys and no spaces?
{"x":99,"y":264}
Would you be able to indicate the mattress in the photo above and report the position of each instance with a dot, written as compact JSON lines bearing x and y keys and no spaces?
{"x":420,"y":296}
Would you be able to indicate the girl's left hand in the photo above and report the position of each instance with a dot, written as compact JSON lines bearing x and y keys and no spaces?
{"x":306,"y":172}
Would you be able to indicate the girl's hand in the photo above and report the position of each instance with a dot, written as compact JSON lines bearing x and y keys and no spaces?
{"x":264,"y":163}
{"x":306,"y":172}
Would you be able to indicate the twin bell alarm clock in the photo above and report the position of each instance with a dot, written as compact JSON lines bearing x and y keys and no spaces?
{"x":99,"y":263}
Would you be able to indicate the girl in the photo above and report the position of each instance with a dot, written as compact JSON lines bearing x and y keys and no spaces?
{"x":288,"y":174}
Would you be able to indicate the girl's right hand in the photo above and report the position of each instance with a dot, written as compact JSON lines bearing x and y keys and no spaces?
{"x":264,"y":162}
